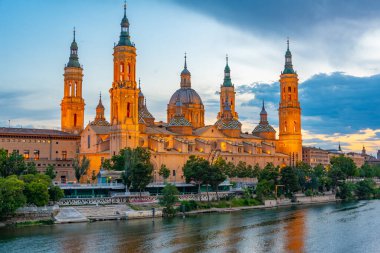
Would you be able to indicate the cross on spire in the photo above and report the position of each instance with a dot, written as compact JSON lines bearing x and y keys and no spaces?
{"x":185,"y":61}
{"x":125,"y":8}
{"x":287,"y":41}
{"x":74,"y":33}
{"x":226,"y":59}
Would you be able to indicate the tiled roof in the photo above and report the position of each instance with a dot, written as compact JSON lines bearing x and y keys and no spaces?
{"x":179,"y":121}
{"x":228,"y":124}
{"x":144,"y":113}
{"x":263,"y":128}
{"x":35,"y":132}
{"x":100,"y":122}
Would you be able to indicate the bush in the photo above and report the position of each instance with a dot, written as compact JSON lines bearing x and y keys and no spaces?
{"x":189,"y":205}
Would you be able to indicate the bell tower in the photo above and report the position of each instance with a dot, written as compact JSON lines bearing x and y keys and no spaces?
{"x":290,"y":137}
{"x":227,"y":90}
{"x":124,"y":93}
{"x":72,"y":105}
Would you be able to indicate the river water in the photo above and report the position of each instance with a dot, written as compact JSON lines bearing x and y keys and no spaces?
{"x":347,"y":227}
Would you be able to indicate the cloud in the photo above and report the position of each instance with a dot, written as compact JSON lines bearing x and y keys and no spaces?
{"x":331,"y":103}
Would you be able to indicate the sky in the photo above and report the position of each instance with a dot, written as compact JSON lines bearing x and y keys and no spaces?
{"x":335,"y":47}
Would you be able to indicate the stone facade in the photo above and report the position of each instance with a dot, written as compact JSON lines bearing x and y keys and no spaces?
{"x":43,"y":147}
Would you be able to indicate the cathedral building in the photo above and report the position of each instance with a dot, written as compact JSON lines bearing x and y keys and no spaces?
{"x":185,"y":133}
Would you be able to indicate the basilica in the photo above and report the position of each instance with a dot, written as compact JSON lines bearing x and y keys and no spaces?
{"x":131,"y":124}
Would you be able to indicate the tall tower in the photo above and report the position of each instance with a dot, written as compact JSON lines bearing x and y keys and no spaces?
{"x":124,"y":93}
{"x":290,"y":138}
{"x":227,"y":90}
{"x":72,"y":105}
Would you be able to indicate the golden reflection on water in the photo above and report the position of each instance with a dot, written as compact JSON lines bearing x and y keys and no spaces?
{"x":294,"y":237}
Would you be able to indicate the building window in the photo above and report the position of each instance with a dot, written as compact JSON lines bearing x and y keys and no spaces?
{"x":173,"y":173}
{"x":75,"y":119}
{"x":289,"y":89}
{"x":64,"y":155}
{"x":36,"y":154}
{"x":63,"y":179}
{"x":88,"y":141}
{"x":128,"y":110}
{"x":26,"y":154}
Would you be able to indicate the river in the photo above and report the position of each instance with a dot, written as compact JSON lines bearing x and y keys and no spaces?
{"x":346,"y":227}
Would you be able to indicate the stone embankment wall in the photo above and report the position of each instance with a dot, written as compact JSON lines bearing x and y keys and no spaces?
{"x":26,"y":214}
{"x":315,"y":199}
{"x":134,"y":199}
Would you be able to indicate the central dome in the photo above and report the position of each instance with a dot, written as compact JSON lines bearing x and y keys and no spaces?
{"x":186,"y":96}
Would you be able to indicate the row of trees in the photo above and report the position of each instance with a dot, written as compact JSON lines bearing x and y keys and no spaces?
{"x":17,"y":191}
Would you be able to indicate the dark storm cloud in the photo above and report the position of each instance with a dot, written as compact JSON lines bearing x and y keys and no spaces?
{"x":330,"y":103}
{"x":282,"y":16}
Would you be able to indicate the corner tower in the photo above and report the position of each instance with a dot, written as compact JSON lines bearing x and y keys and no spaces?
{"x":72,"y":105}
{"x":124,"y":93}
{"x":290,"y":138}
{"x":227,"y":90}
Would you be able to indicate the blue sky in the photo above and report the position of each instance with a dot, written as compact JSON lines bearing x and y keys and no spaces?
{"x":335,"y":46}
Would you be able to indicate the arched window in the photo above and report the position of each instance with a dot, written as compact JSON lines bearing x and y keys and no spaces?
{"x":70,"y":90}
{"x":295,"y":127}
{"x":121,"y":67}
{"x":289,"y":89}
{"x":128,"y":109}
{"x":75,"y":119}
{"x":75,"y":89}
{"x":285,"y":126}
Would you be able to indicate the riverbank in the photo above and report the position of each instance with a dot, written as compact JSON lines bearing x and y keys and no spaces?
{"x":92,"y":213}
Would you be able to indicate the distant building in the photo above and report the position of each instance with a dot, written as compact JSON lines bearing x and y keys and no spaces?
{"x":43,"y":147}
{"x":315,"y":156}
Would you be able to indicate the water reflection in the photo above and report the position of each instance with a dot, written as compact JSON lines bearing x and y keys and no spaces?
{"x":294,"y":237}
{"x":311,"y":229}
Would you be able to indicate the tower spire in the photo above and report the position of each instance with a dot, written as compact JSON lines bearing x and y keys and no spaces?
{"x":288,"y":61}
{"x":227,"y":74}
{"x":124,"y":34}
{"x":73,"y":60}
{"x":185,"y":61}
{"x":139,"y":85}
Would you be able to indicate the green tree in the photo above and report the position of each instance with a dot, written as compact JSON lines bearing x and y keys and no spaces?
{"x":164,"y":172}
{"x":36,"y":193}
{"x":11,"y":164}
{"x":366,"y":170}
{"x":141,"y":176}
{"x":336,"y":175}
{"x":346,"y":191}
{"x":256,"y":171}
{"x":168,"y":199}
{"x":216,"y":177}
{"x":106,"y":164}
{"x":137,"y":168}
{"x":39,"y":178}
{"x":269,"y":173}
{"x":227,"y":168}
{"x":195,"y":169}
{"x":80,"y":167}
{"x":345,"y":164}
{"x":304,"y":173}
{"x":11,"y":195}
{"x":264,"y":189}
{"x":50,"y":171}
{"x":31,"y":168}
{"x":365,"y":189}
{"x":289,"y":179}
{"x":55,"y":193}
